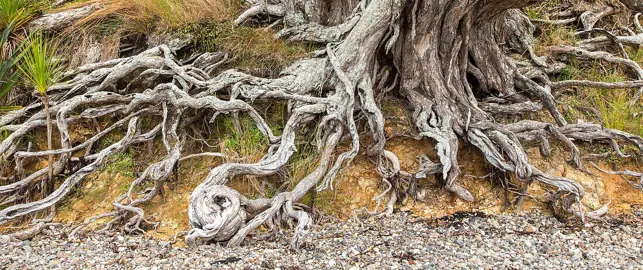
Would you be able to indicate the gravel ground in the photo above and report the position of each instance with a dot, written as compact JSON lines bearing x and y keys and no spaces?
{"x":466,"y":241}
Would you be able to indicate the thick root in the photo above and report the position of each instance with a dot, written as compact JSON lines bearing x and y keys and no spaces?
{"x":453,"y":72}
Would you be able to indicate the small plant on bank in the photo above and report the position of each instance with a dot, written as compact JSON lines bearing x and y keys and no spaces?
{"x":8,"y":75}
{"x":41,"y":68}
{"x":16,"y":12}
{"x":140,"y":16}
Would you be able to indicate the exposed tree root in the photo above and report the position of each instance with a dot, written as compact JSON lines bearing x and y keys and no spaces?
{"x":624,"y":173}
{"x":446,"y":58}
{"x":58,"y":21}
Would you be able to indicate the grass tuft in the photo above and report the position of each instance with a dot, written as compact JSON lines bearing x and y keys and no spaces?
{"x":40,"y":66}
{"x":253,"y":49}
{"x":16,"y":12}
{"x":302,"y":162}
{"x":8,"y":75}
{"x":122,"y":163}
{"x":616,"y":111}
{"x":141,"y":16}
{"x":247,"y":142}
{"x":555,"y":35}
{"x":542,"y":9}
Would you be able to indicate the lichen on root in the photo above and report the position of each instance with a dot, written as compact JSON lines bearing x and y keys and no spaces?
{"x":447,"y":59}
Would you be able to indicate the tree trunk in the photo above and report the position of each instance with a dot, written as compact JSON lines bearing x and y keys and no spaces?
{"x":447,"y":58}
{"x":50,"y":164}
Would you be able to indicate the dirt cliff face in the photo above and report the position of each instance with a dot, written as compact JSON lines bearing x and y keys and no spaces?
{"x":361,"y":184}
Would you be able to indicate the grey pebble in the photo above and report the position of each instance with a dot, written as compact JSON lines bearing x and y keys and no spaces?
{"x":523,"y":240}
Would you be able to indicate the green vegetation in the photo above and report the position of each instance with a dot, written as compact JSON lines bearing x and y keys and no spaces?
{"x":252,"y":48}
{"x":614,"y":105}
{"x":304,"y":161}
{"x":247,"y":142}
{"x":108,"y":140}
{"x":552,"y":34}
{"x":208,"y":22}
{"x":8,"y":75}
{"x":3,"y":135}
{"x":323,"y":201}
{"x":571,"y":71}
{"x":16,"y":12}
{"x":108,"y":26}
{"x":122,"y":163}
{"x":275,"y":116}
{"x":40,"y":66}
{"x":533,"y":13}
{"x":541,"y":10}
{"x":141,"y":16}
{"x":555,"y":35}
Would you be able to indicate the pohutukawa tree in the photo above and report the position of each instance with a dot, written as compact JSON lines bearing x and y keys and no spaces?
{"x":449,"y":59}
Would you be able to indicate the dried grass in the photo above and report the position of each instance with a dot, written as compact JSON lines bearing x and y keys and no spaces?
{"x":142,"y":15}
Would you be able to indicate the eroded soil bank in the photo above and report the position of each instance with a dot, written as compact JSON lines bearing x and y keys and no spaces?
{"x":360,"y":185}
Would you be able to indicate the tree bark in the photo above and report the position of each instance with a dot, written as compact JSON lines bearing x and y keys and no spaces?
{"x":447,"y":58}
{"x":50,"y":164}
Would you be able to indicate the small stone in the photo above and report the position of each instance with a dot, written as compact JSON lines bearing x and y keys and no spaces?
{"x":5,"y":239}
{"x":530,"y":229}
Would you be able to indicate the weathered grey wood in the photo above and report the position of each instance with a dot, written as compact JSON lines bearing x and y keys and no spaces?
{"x":59,"y":21}
{"x":447,"y":59}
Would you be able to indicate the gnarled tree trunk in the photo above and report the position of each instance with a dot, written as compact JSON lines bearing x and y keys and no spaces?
{"x":448,"y":58}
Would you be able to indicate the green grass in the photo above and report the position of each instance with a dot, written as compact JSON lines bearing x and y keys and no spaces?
{"x":107,"y":141}
{"x":146,"y":123}
{"x":541,"y":10}
{"x":247,"y":142}
{"x":109,"y":26}
{"x":8,"y":75}
{"x":143,"y":16}
{"x":571,"y":71}
{"x":635,"y":55}
{"x":17,"y":12}
{"x":304,"y":161}
{"x":121,"y":163}
{"x":276,"y":116}
{"x":4,"y":135}
{"x":253,"y":49}
{"x":533,"y":13}
{"x":124,"y":187}
{"x":323,"y":201}
{"x":208,"y":23}
{"x":614,"y":108}
{"x":555,"y":35}
{"x":614,"y":104}
{"x":551,"y":34}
